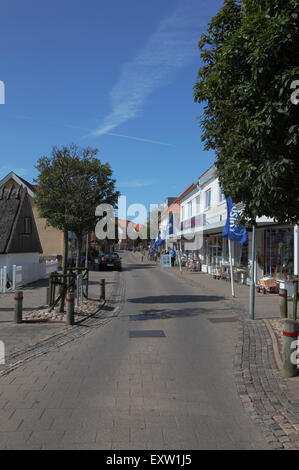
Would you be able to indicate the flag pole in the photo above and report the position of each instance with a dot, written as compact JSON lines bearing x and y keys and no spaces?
{"x":252,"y":284}
{"x":231,"y":267}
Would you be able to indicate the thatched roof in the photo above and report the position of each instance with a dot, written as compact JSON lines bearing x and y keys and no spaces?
{"x":9,"y":205}
{"x":14,"y":206}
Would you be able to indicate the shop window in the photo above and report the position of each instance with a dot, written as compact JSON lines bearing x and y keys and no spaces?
{"x":279,"y":251}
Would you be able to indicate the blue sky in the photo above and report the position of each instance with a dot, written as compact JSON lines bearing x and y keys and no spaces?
{"x":114,"y":75}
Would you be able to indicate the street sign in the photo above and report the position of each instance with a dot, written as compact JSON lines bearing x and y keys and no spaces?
{"x":165,"y":261}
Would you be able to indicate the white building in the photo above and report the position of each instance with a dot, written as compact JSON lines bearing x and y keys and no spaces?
{"x":203,"y":216}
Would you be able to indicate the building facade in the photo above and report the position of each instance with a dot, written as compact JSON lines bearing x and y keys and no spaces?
{"x":19,"y":239}
{"x":202,"y":217}
{"x":51,"y":239}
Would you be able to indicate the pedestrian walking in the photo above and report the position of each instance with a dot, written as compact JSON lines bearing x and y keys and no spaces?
{"x":172,"y":256}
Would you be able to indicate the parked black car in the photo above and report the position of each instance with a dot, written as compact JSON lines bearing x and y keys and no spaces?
{"x":110,"y":261}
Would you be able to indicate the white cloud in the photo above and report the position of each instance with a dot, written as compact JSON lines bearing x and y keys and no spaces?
{"x":172,"y":46}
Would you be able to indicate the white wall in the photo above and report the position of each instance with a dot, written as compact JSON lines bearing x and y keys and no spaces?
{"x":32,"y":269}
{"x":20,"y":259}
{"x":216,"y":213}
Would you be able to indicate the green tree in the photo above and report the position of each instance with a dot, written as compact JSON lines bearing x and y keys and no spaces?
{"x":250,"y":59}
{"x":71,"y":184}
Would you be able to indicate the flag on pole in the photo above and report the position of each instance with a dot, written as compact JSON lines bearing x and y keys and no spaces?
{"x":151,"y":251}
{"x":233,"y":230}
{"x":168,"y":230}
{"x":159,"y":241}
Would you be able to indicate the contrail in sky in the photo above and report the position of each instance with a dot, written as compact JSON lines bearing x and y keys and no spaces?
{"x":140,"y":139}
{"x":172,"y":46}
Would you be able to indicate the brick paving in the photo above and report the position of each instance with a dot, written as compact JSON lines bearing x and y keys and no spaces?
{"x":264,"y":394}
{"x":110,"y":391}
{"x":269,"y":398}
{"x":31,"y":339}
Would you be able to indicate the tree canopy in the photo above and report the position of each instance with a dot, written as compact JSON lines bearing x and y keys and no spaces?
{"x":250,"y":59}
{"x":71,"y":184}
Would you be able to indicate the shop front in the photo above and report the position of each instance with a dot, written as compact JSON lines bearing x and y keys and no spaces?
{"x":216,"y":254}
{"x":279,"y":251}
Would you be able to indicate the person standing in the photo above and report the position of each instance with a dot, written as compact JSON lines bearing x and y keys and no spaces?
{"x":172,"y":256}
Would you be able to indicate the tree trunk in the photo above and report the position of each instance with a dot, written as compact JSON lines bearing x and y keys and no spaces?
{"x":64,"y":269}
{"x":79,"y":250}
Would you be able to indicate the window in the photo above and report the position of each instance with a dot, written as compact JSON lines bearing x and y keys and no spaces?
{"x":27,"y":225}
{"x":208,"y":199}
{"x":221,"y":195}
{"x":197,"y":204}
{"x":189,"y":209}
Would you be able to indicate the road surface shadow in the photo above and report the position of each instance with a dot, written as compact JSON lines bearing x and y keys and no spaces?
{"x":159,"y":314}
{"x":132,"y":267}
{"x":93,"y":283}
{"x":174,"y":299}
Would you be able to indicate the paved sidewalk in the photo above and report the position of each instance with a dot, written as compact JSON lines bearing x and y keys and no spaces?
{"x":266,"y":305}
{"x":271,"y":400}
{"x":118,"y":390}
{"x":24,"y":339}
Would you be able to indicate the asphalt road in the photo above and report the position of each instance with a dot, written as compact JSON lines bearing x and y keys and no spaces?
{"x":158,"y":375}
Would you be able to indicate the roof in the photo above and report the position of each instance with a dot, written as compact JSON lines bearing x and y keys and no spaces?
{"x":14,"y":207}
{"x":184,"y":193}
{"x":206,"y":171}
{"x":32,"y":188}
{"x":9,"y":205}
{"x":125,"y":223}
{"x":174,"y":207}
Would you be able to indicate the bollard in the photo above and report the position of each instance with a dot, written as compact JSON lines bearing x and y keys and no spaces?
{"x":18,"y":306}
{"x":70,"y":308}
{"x":290,"y":335}
{"x":295,"y":300}
{"x":102,"y":289}
{"x":283,"y":294}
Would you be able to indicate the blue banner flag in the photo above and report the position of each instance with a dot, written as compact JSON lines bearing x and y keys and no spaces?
{"x":170,"y":225}
{"x":157,"y":242}
{"x":168,"y":230}
{"x":233,"y":230}
{"x":151,"y":251}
